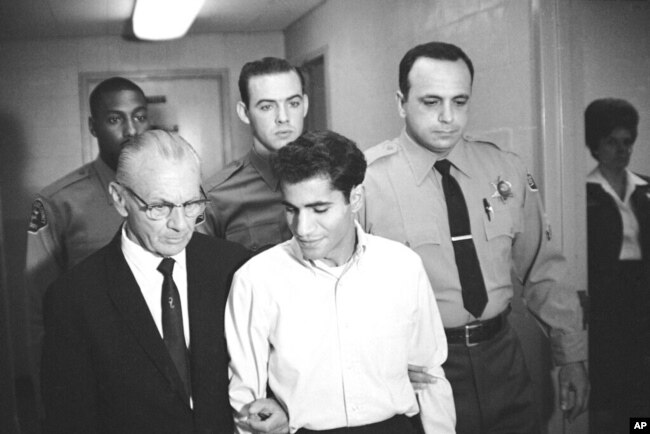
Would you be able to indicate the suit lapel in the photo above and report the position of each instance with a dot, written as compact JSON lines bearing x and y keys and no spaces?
{"x":129,"y":302}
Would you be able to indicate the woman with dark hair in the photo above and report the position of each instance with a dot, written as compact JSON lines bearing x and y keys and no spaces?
{"x":618,"y":215}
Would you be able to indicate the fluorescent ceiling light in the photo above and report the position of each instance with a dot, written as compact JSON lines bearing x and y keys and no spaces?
{"x":158,"y":20}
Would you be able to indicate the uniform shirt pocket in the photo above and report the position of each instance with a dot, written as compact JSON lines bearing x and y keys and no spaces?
{"x":422,"y":231}
{"x":258,"y":237}
{"x":495,"y":254}
{"x":501,"y":224}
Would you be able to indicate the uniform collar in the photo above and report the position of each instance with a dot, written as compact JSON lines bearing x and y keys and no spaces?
{"x":421,"y":160}
{"x":106,"y":176}
{"x":263,"y":167}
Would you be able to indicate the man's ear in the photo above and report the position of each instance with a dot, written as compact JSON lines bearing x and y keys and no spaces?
{"x":356,"y":198}
{"x":400,"y":103}
{"x":117,"y":194}
{"x":91,"y":126}
{"x":242,"y":112}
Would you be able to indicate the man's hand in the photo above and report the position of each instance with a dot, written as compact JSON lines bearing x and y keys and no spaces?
{"x":264,"y":416}
{"x":419,"y":377}
{"x":574,"y":389}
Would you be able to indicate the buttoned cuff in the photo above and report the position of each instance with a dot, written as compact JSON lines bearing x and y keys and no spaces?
{"x":568,"y":348}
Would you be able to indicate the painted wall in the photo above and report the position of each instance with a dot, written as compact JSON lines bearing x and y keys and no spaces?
{"x":614,"y":53}
{"x":371,"y":36}
{"x":40,"y":125}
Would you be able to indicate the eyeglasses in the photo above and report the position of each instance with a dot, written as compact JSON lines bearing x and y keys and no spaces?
{"x":161,"y":210}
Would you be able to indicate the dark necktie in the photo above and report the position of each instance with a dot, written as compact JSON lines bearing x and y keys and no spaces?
{"x":469,"y":269}
{"x":172,"y":322}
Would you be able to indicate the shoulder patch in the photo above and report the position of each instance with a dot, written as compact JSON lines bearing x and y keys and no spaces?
{"x":531,"y":182}
{"x":379,"y":151}
{"x":38,"y":218}
{"x":224,"y":174}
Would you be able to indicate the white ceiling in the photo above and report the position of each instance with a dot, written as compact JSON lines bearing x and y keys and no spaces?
{"x":36,"y":19}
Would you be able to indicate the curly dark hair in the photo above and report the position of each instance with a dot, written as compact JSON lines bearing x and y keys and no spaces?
{"x":322,"y":153}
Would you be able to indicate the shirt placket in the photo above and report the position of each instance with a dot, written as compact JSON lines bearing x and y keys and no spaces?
{"x":352,"y":371}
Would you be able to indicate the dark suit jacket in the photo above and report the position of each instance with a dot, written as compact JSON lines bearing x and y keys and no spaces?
{"x":105,"y":367}
{"x":619,"y":326}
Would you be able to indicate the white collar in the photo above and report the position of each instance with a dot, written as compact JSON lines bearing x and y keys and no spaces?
{"x":144,"y":258}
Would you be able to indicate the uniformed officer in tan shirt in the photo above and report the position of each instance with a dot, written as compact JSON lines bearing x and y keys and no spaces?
{"x":245,"y":197}
{"x":405,"y":201}
{"x":74,"y":216}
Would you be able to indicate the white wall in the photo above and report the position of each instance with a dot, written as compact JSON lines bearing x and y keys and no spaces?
{"x":365,"y":39}
{"x":615,"y":62}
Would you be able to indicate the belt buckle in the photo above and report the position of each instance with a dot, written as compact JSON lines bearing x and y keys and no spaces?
{"x":469,"y":327}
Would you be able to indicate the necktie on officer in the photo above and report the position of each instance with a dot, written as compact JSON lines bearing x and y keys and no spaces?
{"x":172,"y":322}
{"x":469,"y":269}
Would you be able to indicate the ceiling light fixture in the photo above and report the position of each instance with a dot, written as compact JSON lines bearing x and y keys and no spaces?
{"x":158,"y":20}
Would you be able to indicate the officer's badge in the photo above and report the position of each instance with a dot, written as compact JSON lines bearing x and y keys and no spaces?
{"x":531,"y":182}
{"x":38,"y":219}
{"x":502,"y":189}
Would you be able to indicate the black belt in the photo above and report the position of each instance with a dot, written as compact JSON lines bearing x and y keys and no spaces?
{"x":397,"y":424}
{"x":476,"y":332}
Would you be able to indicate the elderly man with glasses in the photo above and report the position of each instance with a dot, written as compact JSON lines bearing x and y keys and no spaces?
{"x":134,"y":338}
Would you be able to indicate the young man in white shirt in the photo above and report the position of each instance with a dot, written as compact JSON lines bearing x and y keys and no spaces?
{"x":332,"y":318}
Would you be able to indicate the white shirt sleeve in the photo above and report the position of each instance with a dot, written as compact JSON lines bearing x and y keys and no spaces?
{"x":247,"y":331}
{"x":428,"y":348}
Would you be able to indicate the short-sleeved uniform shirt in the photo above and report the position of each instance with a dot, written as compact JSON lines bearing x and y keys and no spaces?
{"x":70,"y":219}
{"x":246,"y":204}
{"x":405,"y":202}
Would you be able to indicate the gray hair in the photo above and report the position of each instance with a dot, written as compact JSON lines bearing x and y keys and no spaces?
{"x":168,"y":145}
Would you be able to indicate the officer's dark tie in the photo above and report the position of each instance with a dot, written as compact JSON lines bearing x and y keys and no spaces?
{"x":469,"y":269}
{"x":172,"y":322}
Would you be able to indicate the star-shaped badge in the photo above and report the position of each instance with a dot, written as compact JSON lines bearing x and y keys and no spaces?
{"x":502,"y":189}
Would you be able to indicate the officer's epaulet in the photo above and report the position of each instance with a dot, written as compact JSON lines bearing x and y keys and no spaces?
{"x":71,"y":178}
{"x":472,"y":139}
{"x":382,"y":150}
{"x":224,"y":174}
{"x":488,"y":144}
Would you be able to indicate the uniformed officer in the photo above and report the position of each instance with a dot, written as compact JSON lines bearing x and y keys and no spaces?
{"x":245,"y":199}
{"x":407,"y":200}
{"x":74,"y":216}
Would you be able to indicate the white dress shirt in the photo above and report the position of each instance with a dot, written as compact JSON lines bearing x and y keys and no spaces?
{"x":631,"y":247}
{"x":335,"y":346}
{"x":144,"y":266}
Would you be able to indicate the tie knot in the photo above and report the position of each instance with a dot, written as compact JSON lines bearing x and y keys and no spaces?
{"x":443,"y":166}
{"x":166,"y":266}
